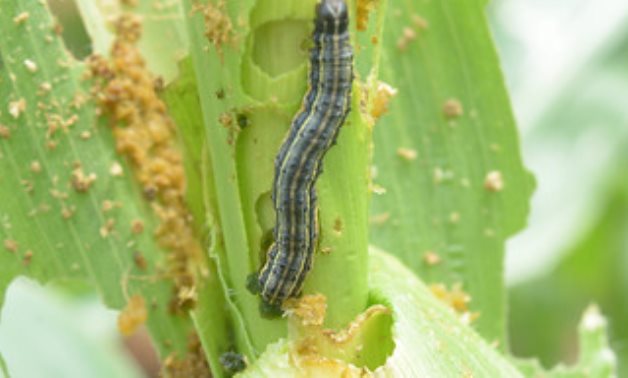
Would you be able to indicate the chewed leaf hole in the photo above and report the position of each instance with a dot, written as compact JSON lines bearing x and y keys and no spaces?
{"x":70,"y":26}
{"x":366,"y":342}
{"x":266,"y":221}
{"x":280,"y":46}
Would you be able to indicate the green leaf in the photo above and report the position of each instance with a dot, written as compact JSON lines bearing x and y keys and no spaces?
{"x":452,"y":109}
{"x":223,"y":192}
{"x":429,"y":339}
{"x":56,"y":176}
{"x":184,"y":106}
{"x":3,"y":367}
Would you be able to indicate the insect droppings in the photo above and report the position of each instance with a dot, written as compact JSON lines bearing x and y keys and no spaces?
{"x":494,"y":182}
{"x":452,"y":108}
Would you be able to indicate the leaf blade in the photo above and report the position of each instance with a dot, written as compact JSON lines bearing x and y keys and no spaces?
{"x":467,"y":189}
{"x":57,"y":162}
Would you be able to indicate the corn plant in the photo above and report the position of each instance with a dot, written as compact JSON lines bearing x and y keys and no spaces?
{"x":145,"y":169}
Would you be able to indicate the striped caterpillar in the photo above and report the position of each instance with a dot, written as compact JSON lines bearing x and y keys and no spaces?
{"x":299,"y":163}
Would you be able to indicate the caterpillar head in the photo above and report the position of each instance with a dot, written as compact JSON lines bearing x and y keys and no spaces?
{"x":332,"y":16}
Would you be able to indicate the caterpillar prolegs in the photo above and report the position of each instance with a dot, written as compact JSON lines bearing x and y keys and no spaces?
{"x":298,"y":164}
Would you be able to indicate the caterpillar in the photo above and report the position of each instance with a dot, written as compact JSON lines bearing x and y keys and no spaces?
{"x":299,"y":162}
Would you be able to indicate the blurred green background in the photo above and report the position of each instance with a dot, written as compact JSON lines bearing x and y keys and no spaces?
{"x":566,"y":64}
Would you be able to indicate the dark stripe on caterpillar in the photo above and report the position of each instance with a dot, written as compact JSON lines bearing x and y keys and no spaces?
{"x":299,"y":161}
